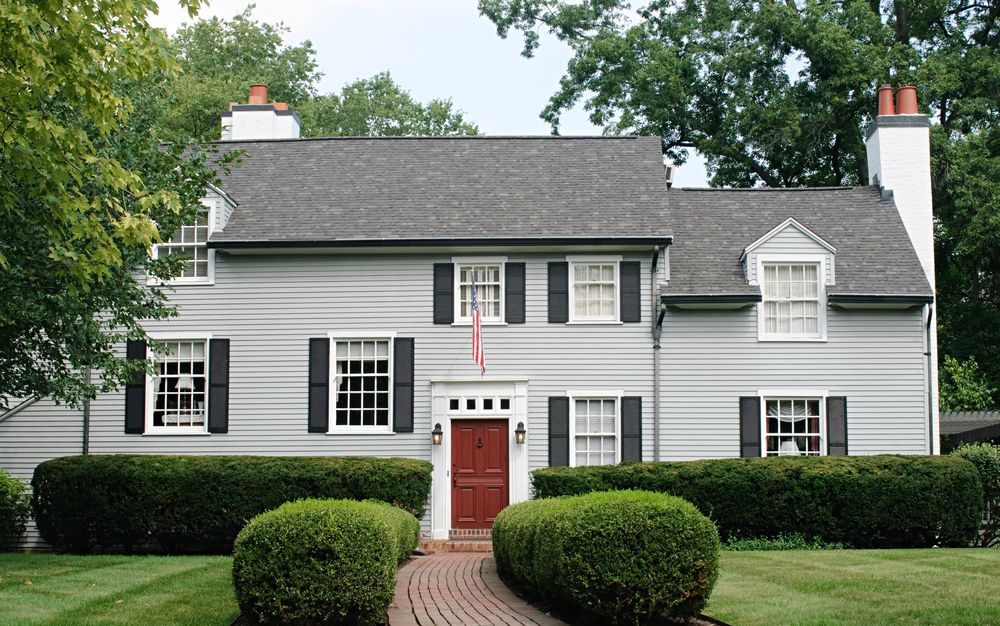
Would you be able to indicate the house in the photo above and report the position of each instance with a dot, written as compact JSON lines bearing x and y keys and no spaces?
{"x":325,"y":310}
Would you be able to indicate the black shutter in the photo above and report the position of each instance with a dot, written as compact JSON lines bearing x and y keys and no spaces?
{"x":630,"y":291}
{"x":836,"y":425}
{"x":135,"y":391}
{"x":632,"y":428}
{"x":750,"y":426}
{"x":319,"y":385}
{"x":402,"y":385}
{"x":444,"y":293}
{"x":218,"y":386}
{"x":558,"y":292}
{"x":558,"y":431}
{"x":514,"y":293}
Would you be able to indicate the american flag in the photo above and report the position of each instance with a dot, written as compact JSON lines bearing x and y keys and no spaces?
{"x":477,"y":333}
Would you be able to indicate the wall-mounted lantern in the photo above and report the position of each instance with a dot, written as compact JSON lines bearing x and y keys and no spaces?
{"x":520,"y":434}
{"x":437,"y":434}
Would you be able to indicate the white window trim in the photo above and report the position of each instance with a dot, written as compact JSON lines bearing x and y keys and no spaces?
{"x":793,"y":394}
{"x":573,"y":260}
{"x":458,"y":262}
{"x":160,"y":431}
{"x":820,"y":261}
{"x":331,"y":422}
{"x":180,"y":280}
{"x":585,"y":394}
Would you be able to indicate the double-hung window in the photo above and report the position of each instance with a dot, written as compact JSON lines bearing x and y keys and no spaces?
{"x":594,"y":290}
{"x":191,"y":242}
{"x":362,"y":384}
{"x":178,"y":387}
{"x":792,"y":301}
{"x":595,"y":431}
{"x":488,"y":277}
{"x":793,"y":427}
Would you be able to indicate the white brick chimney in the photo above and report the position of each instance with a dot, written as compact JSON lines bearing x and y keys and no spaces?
{"x":899,"y":160}
{"x":259,"y":119}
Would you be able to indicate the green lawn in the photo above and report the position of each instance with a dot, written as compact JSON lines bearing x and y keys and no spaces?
{"x":863,"y":587}
{"x":148,"y":590}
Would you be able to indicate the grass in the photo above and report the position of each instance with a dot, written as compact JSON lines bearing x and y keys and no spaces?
{"x":858,"y":587}
{"x":59,"y":590}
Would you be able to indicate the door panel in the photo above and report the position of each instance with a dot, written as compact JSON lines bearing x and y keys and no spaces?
{"x":479,"y":453}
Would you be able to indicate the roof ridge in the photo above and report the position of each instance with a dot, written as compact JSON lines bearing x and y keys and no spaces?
{"x":433,"y":138}
{"x":782,"y":189}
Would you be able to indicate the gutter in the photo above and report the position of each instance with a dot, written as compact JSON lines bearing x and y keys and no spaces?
{"x":709,"y":298}
{"x":433,"y":242}
{"x":657,"y":332}
{"x":929,"y":353}
{"x":876,"y":298}
{"x":17,"y":409}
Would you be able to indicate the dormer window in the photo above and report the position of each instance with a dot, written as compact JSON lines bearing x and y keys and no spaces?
{"x":191,"y":242}
{"x":792,"y":300}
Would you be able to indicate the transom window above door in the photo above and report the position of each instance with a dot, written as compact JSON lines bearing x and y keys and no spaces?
{"x":488,"y":277}
{"x":479,"y":404}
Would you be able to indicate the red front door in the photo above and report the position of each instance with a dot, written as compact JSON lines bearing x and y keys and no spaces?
{"x":478,"y":472}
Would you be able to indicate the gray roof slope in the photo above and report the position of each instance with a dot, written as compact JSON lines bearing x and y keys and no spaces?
{"x":711,"y":227}
{"x":954,"y":422}
{"x":445,"y":187}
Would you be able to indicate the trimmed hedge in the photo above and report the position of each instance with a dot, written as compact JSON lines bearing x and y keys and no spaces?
{"x":862,"y":501}
{"x":321,"y":561}
{"x":630,"y":557}
{"x":13,"y":510}
{"x":198,"y":504}
{"x":986,"y":458}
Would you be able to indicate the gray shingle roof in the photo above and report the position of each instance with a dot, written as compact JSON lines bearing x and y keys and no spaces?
{"x":410,"y":188}
{"x":406,"y":188}
{"x":955,"y":422}
{"x":711,"y":227}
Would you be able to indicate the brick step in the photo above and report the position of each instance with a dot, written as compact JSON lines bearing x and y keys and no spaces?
{"x":431,"y":546}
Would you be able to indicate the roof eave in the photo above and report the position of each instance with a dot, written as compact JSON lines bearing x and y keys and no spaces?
{"x":444,"y":242}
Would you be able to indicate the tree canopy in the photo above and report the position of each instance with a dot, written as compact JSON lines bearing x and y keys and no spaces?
{"x":777,"y":93}
{"x":85,"y":191}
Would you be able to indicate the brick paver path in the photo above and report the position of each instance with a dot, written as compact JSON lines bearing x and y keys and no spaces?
{"x":458,"y":589}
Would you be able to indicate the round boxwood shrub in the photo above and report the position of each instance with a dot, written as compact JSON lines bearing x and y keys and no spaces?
{"x":14,"y":505}
{"x":860,"y":501}
{"x":319,"y":562}
{"x":628,"y":557}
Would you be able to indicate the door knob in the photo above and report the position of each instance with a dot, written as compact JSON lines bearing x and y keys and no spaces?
{"x":479,"y":443}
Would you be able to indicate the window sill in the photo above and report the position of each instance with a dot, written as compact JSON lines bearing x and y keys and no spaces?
{"x":595,"y":323}
{"x":355,"y":432}
{"x":483,"y":323}
{"x":179,"y":283}
{"x":159,"y":433}
{"x":792,"y":339}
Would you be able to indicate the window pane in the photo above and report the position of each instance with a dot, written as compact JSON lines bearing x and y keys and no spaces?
{"x":179,"y":385}
{"x":791,"y":299}
{"x":362,"y":381}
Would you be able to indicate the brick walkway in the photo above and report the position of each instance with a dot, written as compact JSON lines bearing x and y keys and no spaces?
{"x":459,"y":589}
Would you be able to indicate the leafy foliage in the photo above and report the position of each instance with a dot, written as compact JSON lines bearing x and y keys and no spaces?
{"x":963,"y":387}
{"x":14,"y":507}
{"x":199,"y":503}
{"x":986,"y":458}
{"x":623,"y":558}
{"x":863,"y":501}
{"x":378,"y":107}
{"x":87,"y":190}
{"x":777,"y":94}
{"x":793,"y":541}
{"x":321,"y":562}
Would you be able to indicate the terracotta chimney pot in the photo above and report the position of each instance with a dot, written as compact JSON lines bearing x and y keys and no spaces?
{"x":258,"y":94}
{"x":280,"y":106}
{"x":906,"y":100}
{"x":885,"y":102}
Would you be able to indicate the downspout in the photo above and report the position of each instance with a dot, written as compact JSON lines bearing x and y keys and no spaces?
{"x":86,"y":417}
{"x":20,"y":407}
{"x":929,"y":353}
{"x":657,"y":330}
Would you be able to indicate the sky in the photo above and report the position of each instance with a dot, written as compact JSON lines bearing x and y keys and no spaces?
{"x":433,"y":49}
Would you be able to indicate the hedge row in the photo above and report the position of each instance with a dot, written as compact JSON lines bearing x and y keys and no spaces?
{"x":629,"y":557}
{"x":199,"y":503}
{"x":864,"y":502}
{"x":321,"y":561}
{"x":13,"y":510}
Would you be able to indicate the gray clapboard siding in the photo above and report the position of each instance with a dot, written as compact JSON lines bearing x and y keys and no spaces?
{"x":873,"y":357}
{"x":789,"y":240}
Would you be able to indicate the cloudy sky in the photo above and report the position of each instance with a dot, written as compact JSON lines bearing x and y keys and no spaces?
{"x":434,"y":49}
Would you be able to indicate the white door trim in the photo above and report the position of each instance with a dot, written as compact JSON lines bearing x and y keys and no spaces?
{"x":517,"y":462}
